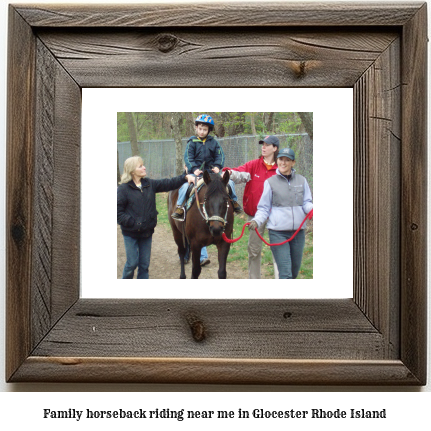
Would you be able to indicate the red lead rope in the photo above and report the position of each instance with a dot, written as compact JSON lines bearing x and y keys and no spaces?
{"x":308,"y":216}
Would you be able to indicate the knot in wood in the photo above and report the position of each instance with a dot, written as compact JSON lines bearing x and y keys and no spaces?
{"x":166,"y":42}
{"x":197,"y":328}
{"x":414,"y":226}
{"x":299,"y":68}
{"x":18,"y":233}
{"x":302,"y":68}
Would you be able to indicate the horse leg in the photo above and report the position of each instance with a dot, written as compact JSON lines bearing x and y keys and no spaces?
{"x":223,"y":250}
{"x":178,"y":235}
{"x":196,"y":260}
{"x":182,"y":254}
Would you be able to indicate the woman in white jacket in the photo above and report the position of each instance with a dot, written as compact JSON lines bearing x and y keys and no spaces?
{"x":285,"y":201}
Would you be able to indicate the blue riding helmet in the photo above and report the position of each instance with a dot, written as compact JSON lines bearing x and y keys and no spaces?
{"x":205,"y":119}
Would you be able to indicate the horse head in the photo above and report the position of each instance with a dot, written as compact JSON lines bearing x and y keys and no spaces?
{"x":216,"y":202}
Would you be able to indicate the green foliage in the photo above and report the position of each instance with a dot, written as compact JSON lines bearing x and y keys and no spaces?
{"x":306,"y":270}
{"x":290,"y":122}
{"x":162,"y":208}
{"x":122,"y":130}
{"x":157,"y":125}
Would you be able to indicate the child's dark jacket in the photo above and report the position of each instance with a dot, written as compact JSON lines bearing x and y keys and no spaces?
{"x":198,"y":152}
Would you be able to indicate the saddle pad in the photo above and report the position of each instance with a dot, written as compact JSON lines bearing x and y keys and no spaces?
{"x":190,"y":196}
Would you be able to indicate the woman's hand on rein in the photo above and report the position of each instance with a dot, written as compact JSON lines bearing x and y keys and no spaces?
{"x":253,"y":225}
{"x":190,"y":179}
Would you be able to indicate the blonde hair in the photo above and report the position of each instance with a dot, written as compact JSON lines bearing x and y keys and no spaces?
{"x":130,"y":165}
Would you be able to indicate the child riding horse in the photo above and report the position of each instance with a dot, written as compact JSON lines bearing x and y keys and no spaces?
{"x":206,"y":220}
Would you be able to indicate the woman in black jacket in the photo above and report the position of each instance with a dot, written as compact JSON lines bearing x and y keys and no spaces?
{"x":137,"y":213}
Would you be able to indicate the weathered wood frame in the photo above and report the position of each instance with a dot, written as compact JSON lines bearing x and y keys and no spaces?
{"x":378,"y":337}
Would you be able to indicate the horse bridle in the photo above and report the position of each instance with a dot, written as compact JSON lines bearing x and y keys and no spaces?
{"x":204,"y":213}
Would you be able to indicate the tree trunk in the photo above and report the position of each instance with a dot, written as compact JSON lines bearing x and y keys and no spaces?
{"x":190,"y":123}
{"x":267,"y":120}
{"x":132,"y":133}
{"x":219,"y":128}
{"x":176,"y":121}
{"x":253,"y":123}
{"x":307,"y":122}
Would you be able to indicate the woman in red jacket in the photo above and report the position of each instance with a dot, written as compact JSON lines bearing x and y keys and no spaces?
{"x":254,"y":173}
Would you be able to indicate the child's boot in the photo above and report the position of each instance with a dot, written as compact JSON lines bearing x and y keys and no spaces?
{"x":178,"y":214}
{"x":237,"y":208}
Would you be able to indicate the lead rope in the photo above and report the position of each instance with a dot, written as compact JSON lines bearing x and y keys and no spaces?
{"x":230,"y":241}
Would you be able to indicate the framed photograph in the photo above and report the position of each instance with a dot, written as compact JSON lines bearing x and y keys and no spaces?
{"x":378,"y":336}
{"x":332,"y":128}
{"x":164,"y":140}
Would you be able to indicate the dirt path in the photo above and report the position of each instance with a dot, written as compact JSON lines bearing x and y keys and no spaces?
{"x":165,"y":262}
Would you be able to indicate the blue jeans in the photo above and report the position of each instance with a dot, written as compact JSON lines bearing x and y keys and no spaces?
{"x":204,"y":253}
{"x":182,"y":194}
{"x":183,"y":190}
{"x":138,"y":253}
{"x":232,"y":186}
{"x":288,"y":256}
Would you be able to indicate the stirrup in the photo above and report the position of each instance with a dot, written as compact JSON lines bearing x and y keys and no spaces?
{"x":178,"y":214}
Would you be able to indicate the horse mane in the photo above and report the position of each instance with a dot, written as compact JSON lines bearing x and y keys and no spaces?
{"x":216,"y":186}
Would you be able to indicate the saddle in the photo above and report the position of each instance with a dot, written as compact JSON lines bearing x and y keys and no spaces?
{"x":190,"y":194}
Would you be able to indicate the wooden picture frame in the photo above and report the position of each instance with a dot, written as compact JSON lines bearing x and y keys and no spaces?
{"x":378,"y":337}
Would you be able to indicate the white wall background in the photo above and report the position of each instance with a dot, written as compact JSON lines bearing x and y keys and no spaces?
{"x":407,"y":408}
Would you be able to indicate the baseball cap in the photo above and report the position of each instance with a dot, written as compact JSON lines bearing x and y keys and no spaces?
{"x":271,"y":140}
{"x":286,"y":152}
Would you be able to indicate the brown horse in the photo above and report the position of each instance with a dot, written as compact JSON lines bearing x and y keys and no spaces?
{"x":204,"y":225}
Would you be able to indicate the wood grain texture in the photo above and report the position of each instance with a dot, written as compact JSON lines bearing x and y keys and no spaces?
{"x":19,"y":195}
{"x":57,"y":194}
{"x":271,"y":58}
{"x":414,"y":193}
{"x":67,"y":194}
{"x":221,"y":15}
{"x":378,"y":182}
{"x":43,"y":194}
{"x":378,"y":337}
{"x":242,"y":329}
{"x":215,"y":371}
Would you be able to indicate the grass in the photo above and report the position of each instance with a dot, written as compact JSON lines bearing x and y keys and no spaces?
{"x":162,"y":208}
{"x":238,"y":250}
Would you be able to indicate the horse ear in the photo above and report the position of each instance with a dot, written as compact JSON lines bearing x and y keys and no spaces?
{"x":207,"y":177}
{"x":226,"y":177}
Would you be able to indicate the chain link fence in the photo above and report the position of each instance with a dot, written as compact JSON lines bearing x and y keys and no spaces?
{"x":159,"y":155}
